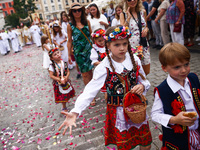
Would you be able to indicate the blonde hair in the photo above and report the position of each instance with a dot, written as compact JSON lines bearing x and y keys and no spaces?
{"x":173,"y":52}
{"x":139,"y":7}
{"x":43,"y":41}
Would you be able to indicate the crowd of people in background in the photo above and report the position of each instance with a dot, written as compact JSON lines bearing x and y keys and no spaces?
{"x":161,"y":16}
{"x":83,"y":37}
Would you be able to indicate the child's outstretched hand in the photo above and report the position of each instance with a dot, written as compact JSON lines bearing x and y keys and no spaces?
{"x":182,"y":120}
{"x":68,"y":122}
{"x":138,"y":89}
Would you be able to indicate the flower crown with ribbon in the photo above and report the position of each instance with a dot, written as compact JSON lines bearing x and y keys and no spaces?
{"x":53,"y":50}
{"x":121,"y":32}
{"x":98,"y":33}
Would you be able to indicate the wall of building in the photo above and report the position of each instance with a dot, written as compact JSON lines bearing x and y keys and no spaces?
{"x":7,"y":7}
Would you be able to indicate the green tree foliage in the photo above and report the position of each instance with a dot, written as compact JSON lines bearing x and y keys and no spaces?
{"x":23,"y":9}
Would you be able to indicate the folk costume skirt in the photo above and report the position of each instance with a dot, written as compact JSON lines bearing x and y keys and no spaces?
{"x":59,"y":97}
{"x":125,"y":140}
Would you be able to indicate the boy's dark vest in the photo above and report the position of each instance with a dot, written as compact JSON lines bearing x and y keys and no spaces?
{"x":171,"y":140}
{"x":116,"y":89}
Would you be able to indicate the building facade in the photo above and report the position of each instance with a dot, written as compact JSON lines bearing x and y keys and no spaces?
{"x":51,"y":9}
{"x":1,"y":18}
{"x":7,"y":7}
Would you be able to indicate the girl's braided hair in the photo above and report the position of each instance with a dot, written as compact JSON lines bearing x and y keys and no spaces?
{"x":53,"y":50}
{"x":110,"y":30}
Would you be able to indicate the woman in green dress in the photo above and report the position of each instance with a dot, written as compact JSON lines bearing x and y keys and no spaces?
{"x":80,"y":30}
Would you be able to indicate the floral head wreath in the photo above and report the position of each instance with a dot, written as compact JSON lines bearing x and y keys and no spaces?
{"x":121,"y":32}
{"x":53,"y":50}
{"x":99,"y":33}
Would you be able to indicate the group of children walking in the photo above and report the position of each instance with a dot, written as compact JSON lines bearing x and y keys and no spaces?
{"x":118,"y":71}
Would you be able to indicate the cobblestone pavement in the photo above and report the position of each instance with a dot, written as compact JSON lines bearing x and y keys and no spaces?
{"x":29,"y":118}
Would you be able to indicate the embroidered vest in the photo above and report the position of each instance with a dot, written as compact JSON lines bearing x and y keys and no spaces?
{"x":101,"y":56}
{"x":65,"y":69}
{"x":171,"y":140}
{"x":116,"y":89}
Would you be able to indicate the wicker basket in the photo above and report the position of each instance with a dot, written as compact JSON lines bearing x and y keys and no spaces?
{"x":139,"y":115}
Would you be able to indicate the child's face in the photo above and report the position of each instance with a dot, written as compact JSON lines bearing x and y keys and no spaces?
{"x":118,"y":11}
{"x":56,"y":56}
{"x":179,"y":71}
{"x":47,"y":41}
{"x":118,"y":49}
{"x":56,"y":29}
{"x":100,"y":41}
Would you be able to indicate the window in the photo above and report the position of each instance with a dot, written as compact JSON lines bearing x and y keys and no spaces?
{"x":3,"y":5}
{"x":45,"y":2}
{"x":48,"y":17}
{"x":51,"y":1}
{"x":58,"y":0}
{"x":60,"y":7}
{"x":83,"y":1}
{"x":9,"y":4}
{"x":41,"y":16}
{"x":46,"y":8}
{"x":53,"y":8}
{"x":78,"y":1}
{"x":66,"y":2}
{"x":72,"y":1}
{"x":6,"y":13}
{"x":54,"y":15}
{"x":87,"y":1}
{"x":38,"y":6}
{"x":91,"y":0}
{"x":11,"y":11}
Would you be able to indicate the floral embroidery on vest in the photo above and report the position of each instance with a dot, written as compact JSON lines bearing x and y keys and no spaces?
{"x":116,"y":89}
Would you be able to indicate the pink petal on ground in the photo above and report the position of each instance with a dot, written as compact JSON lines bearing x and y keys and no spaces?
{"x":15,"y":148}
{"x":48,"y":137}
{"x":71,"y":143}
{"x":93,"y":127}
{"x":57,"y":133}
{"x":111,"y":148}
{"x":39,"y":141}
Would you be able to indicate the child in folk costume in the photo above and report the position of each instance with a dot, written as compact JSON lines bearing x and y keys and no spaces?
{"x":59,"y":72}
{"x":121,"y":71}
{"x":178,"y":94}
{"x":98,"y":52}
{"x":46,"y":46}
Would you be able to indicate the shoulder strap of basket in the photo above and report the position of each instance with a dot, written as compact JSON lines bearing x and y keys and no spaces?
{"x":85,"y":36}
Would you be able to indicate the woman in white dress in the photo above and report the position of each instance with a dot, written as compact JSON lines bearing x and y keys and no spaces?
{"x":97,"y":20}
{"x":60,"y":40}
{"x":46,"y":46}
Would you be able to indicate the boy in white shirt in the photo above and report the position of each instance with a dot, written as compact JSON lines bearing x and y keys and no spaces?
{"x":178,"y":94}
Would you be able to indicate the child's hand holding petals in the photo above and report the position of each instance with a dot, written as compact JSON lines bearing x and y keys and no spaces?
{"x":138,"y":89}
{"x":63,"y":81}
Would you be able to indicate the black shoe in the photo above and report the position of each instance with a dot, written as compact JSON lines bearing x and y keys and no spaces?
{"x":155,"y":46}
{"x":8,"y":52}
{"x":78,"y":76}
{"x":159,"y":47}
{"x":152,"y":39}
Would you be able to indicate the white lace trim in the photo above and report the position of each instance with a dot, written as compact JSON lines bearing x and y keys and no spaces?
{"x":122,"y":124}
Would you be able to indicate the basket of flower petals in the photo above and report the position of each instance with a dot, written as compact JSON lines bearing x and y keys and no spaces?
{"x":134,"y":107}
